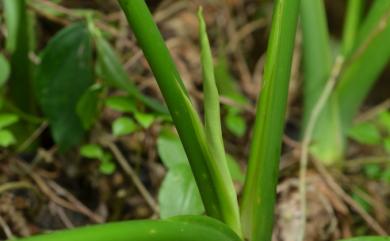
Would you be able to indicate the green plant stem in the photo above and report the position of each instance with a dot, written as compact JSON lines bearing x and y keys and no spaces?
{"x":316,"y":53}
{"x":351,"y":24}
{"x":20,"y":85}
{"x":260,"y":187}
{"x":212,"y":181}
{"x":181,"y":228}
{"x":364,"y":65}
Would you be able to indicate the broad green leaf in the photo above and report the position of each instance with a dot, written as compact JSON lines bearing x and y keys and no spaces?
{"x":179,"y":179}
{"x":235,"y":169}
{"x":4,"y":70}
{"x":63,"y":76}
{"x":92,"y":151}
{"x":183,"y":228}
{"x":7,"y":120}
{"x":123,"y":126}
{"x":110,"y":69}
{"x":6,"y":138}
{"x":236,"y":124}
{"x":146,"y":120}
{"x":365,"y":133}
{"x":121,"y":104}
{"x":179,"y":194}
{"x":170,"y":149}
{"x":88,"y":106}
{"x":384,"y":121}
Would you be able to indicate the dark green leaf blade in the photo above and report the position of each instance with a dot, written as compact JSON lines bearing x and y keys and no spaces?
{"x":63,"y":76}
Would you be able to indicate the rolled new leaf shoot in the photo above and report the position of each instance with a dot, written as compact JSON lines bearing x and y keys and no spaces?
{"x":213,"y":127}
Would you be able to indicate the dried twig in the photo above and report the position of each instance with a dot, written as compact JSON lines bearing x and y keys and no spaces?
{"x":130,"y":171}
{"x":372,"y":223}
{"x":73,"y":205}
{"x":7,"y":230}
{"x":308,"y":137}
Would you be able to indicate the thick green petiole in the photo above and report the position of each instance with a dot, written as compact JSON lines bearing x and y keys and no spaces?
{"x":260,"y":187}
{"x":185,"y":228}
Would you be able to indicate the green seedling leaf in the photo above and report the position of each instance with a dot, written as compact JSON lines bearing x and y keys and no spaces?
{"x":110,"y":69}
{"x":373,"y":171}
{"x":236,"y":124}
{"x":123,"y":126}
{"x":122,"y":104}
{"x":179,"y":179}
{"x":6,"y":138}
{"x":235,"y":169}
{"x":92,"y":151}
{"x":384,"y":121}
{"x":4,"y":70}
{"x":365,"y":133}
{"x":179,"y":194}
{"x":107,"y":167}
{"x":88,"y":106}
{"x":63,"y":76}
{"x":146,"y":120}
{"x":7,"y":120}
